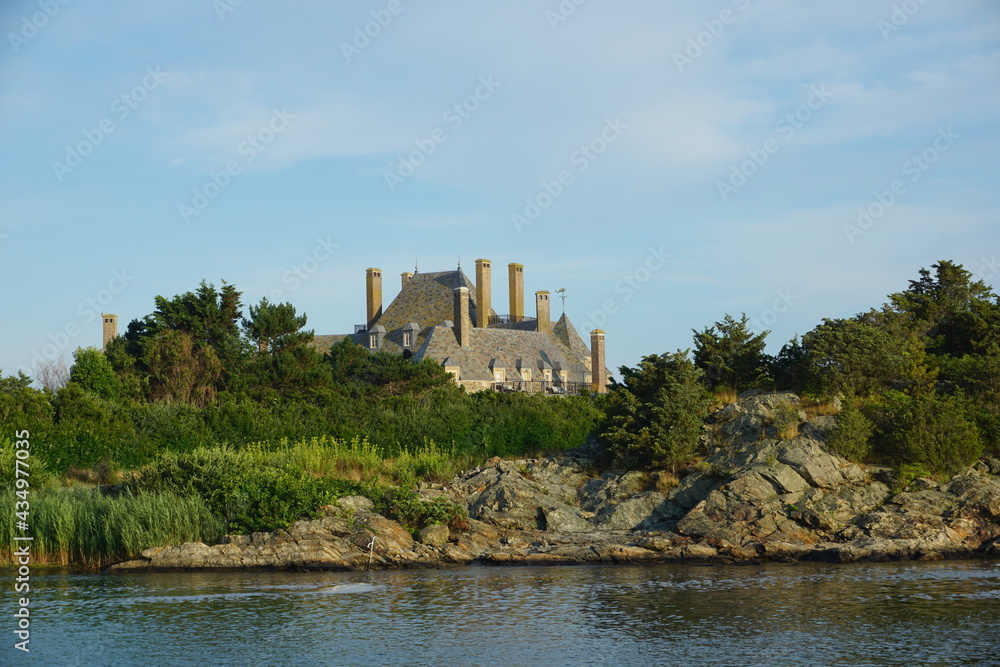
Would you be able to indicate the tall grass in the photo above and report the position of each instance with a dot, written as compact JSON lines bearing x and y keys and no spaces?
{"x":359,"y":460}
{"x":82,"y":526}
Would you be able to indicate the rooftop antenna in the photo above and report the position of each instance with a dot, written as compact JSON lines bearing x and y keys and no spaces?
{"x":562,"y":295}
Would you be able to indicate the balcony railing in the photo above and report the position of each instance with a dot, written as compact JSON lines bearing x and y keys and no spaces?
{"x":507,"y":319}
{"x":543,"y":387}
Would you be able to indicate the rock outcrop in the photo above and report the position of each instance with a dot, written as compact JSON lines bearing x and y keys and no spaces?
{"x":758,"y":495}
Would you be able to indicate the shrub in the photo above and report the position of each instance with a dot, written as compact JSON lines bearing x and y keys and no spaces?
{"x":926,"y":429}
{"x":785,"y":419}
{"x":407,"y":508}
{"x":851,"y":437}
{"x":249,"y":495}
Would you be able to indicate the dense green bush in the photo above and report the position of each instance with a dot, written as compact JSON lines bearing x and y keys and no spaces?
{"x":851,"y":437}
{"x":655,"y":415}
{"x":928,"y":430}
{"x":413,"y":513}
{"x":247,"y":495}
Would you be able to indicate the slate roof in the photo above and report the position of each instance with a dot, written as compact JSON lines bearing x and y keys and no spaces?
{"x":492,"y":348}
{"x":425,"y":307}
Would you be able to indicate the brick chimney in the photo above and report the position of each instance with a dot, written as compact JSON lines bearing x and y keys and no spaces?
{"x":405,"y":279}
{"x":462,"y":321}
{"x":515,"y":275}
{"x":544,"y":321}
{"x":110,"y":329}
{"x":373,"y":295}
{"x":598,"y":376}
{"x":483,"y":292}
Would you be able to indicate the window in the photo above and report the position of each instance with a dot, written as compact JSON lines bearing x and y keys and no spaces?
{"x":407,"y":339}
{"x":373,"y":341}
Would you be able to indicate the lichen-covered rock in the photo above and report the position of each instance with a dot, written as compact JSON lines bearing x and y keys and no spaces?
{"x":434,"y":535}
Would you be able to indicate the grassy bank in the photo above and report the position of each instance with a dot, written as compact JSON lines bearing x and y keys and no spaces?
{"x":206,"y":493}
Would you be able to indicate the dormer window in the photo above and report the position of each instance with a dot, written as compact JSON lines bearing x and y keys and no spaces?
{"x":375,"y":336}
{"x":410,"y":332}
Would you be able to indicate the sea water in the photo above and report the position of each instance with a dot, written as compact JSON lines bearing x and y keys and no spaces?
{"x":905,"y":613}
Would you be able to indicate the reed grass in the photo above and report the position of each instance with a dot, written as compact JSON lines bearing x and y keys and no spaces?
{"x":81,"y":526}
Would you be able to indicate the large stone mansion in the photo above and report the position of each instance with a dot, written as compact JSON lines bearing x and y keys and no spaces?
{"x":444,"y":317}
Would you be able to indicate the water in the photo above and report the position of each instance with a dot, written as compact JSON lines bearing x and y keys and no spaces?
{"x":944,"y":613}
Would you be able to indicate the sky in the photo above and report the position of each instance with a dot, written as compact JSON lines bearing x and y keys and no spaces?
{"x":667,"y":163}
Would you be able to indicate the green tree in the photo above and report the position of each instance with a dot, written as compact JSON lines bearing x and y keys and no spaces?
{"x":276,"y":325}
{"x":654,"y":416}
{"x":927,"y":430}
{"x":731,"y":355}
{"x":977,"y":378}
{"x":961,"y":314}
{"x":209,"y":318}
{"x":284,"y":361}
{"x":181,"y":369}
{"x":21,"y":406}
{"x":866,"y":354}
{"x":358,"y":371}
{"x":92,"y":371}
{"x":852,"y":436}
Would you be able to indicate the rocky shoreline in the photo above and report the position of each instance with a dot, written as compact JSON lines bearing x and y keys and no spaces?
{"x":756,"y":497}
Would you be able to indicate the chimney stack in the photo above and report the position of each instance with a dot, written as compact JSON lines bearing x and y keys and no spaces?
{"x":373,"y":294}
{"x":598,"y":376}
{"x":515,"y":274}
{"x":483,"y":292}
{"x":110,"y":329}
{"x":463,"y":324}
{"x":544,"y":321}
{"x":405,"y":279}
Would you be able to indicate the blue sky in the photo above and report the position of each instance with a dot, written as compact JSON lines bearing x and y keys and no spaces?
{"x":665,"y":162}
